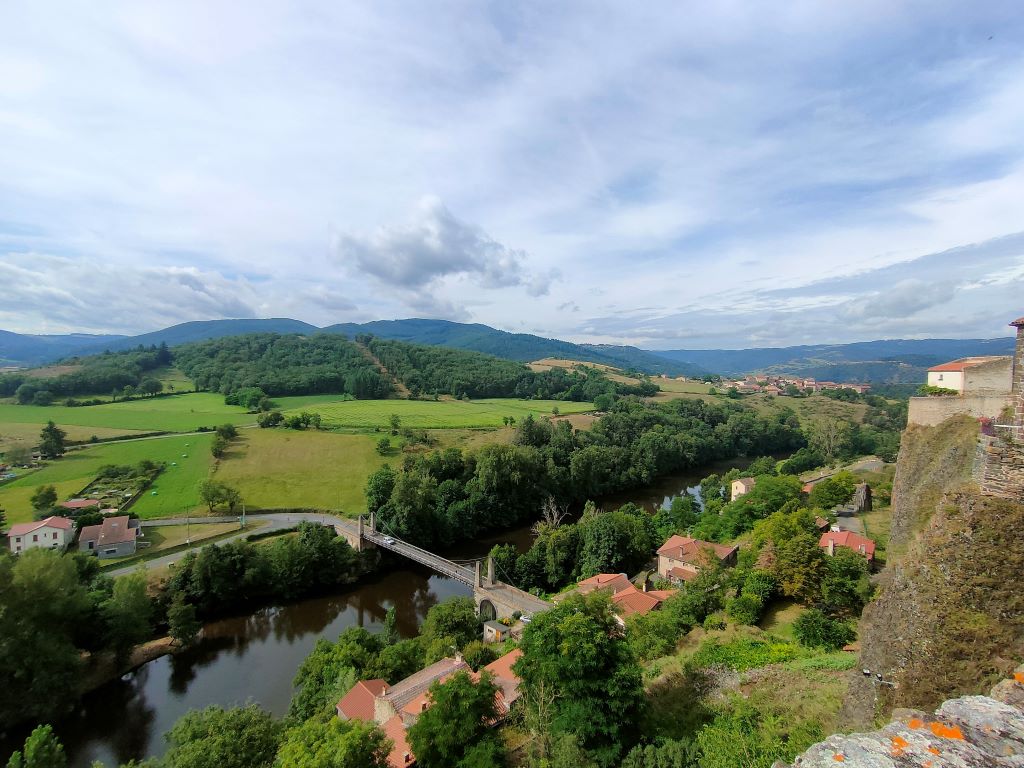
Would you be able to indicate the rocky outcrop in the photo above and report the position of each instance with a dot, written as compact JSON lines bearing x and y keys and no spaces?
{"x":949,"y":617}
{"x":969,"y":732}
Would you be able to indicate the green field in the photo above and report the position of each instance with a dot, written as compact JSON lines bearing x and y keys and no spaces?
{"x":289,"y":469}
{"x":176,"y":488}
{"x":177,"y":413}
{"x":443,"y":414}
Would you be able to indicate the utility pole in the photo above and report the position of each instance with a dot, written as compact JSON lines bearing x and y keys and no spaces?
{"x":188,"y":528}
{"x":243,"y":515}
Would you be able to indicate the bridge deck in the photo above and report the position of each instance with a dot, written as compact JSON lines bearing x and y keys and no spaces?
{"x":422,"y":556}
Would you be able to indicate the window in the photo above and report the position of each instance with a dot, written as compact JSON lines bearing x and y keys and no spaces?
{"x":17,"y":539}
{"x":110,"y":551}
{"x":35,"y":537}
{"x":54,"y":535}
{"x":940,"y":377}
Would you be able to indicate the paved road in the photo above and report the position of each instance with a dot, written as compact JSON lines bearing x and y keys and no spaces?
{"x":274,"y":522}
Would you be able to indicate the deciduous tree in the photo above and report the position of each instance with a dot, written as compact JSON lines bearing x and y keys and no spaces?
{"x":333,"y":743}
{"x":451,"y":731}
{"x":241,"y":737}
{"x":51,"y":443}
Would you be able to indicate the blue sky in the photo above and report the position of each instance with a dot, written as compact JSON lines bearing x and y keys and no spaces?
{"x":669,"y":175}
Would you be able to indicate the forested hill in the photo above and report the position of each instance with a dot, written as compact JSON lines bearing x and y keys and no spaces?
{"x":524,"y":347}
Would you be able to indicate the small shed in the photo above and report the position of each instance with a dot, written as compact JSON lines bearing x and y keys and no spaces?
{"x":495,"y":632}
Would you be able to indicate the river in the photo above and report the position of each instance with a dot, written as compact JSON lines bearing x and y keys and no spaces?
{"x":255,"y":657}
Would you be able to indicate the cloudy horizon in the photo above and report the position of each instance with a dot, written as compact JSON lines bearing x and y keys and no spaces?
{"x":669,"y":176}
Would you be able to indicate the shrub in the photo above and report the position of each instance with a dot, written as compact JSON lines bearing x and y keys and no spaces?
{"x":744,"y":653}
{"x":814,"y":629}
{"x":744,"y":609}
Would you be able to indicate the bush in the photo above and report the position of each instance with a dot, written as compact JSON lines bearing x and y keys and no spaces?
{"x":813,"y":629}
{"x":744,"y":653}
{"x":744,"y":609}
{"x":271,"y":419}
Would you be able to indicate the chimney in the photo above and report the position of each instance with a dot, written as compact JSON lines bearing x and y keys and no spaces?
{"x":1017,"y":392}
{"x":831,"y":546}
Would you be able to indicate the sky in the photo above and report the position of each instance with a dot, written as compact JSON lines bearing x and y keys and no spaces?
{"x":670,"y":175}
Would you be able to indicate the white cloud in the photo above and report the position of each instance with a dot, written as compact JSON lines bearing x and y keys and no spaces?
{"x":715,"y":163}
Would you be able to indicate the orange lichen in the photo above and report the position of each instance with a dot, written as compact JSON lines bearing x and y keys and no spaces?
{"x":934,"y":750}
{"x":946,"y":731}
{"x":1019,"y":677}
{"x":839,"y":758}
{"x":899,"y":744}
{"x":916,"y":723}
{"x":926,"y":764}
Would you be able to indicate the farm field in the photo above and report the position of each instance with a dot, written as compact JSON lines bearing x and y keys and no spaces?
{"x":12,"y":434}
{"x":176,"y":487}
{"x":176,"y":413}
{"x":442,"y":414}
{"x":288,"y":469}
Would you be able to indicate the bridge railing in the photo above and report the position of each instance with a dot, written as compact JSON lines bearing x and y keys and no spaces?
{"x":423,"y":556}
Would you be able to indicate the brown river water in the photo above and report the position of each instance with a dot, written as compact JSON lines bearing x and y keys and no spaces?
{"x":254,"y":658}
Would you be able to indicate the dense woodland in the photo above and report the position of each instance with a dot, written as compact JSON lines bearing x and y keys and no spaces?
{"x":449,"y":495}
{"x":98,"y":374}
{"x":282,"y":365}
{"x":460,"y":373}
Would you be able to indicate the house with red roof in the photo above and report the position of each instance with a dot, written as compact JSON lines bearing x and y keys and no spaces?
{"x":50,"y":533}
{"x":613,"y":582}
{"x":859,"y":544}
{"x":114,"y":537}
{"x":79,"y":505}
{"x":395,"y":708}
{"x":973,"y":375}
{"x":681,"y":558}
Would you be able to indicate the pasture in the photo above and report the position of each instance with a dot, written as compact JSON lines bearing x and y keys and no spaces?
{"x":174,"y":413}
{"x":283,"y":468}
{"x":12,"y":434}
{"x":176,"y":487}
{"x":441,"y":414}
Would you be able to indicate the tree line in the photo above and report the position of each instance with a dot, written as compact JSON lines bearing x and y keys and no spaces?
{"x":462,"y":373}
{"x":96,"y":374}
{"x":54,"y":607}
{"x":448,"y":495}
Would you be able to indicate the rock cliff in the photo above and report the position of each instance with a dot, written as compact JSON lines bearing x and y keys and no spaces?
{"x":969,"y":732}
{"x":949,"y":617}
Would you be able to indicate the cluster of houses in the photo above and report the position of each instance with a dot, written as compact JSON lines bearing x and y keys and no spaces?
{"x":776,"y":385}
{"x":395,"y":708}
{"x":115,"y":536}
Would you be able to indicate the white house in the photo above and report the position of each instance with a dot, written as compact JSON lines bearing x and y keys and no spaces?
{"x":973,"y":375}
{"x":51,"y":533}
{"x":741,"y":487}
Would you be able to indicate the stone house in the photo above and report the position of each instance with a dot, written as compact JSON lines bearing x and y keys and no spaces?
{"x":973,"y":375}
{"x":51,"y":533}
{"x":681,"y":558}
{"x":859,"y":544}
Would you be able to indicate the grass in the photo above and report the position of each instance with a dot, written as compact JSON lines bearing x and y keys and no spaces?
{"x":441,"y":414}
{"x":175,"y":413}
{"x":292,"y":469}
{"x":27,"y":434}
{"x":778,"y":619}
{"x":176,"y":488}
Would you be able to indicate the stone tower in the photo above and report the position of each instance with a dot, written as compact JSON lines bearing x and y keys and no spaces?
{"x":1017,"y":392}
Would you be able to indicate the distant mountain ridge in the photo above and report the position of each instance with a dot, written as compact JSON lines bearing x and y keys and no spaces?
{"x":22,"y":349}
{"x":885,"y":361}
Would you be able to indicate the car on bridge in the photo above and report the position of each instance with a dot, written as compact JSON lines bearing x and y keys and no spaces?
{"x":388,"y":540}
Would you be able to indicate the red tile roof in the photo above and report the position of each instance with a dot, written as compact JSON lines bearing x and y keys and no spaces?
{"x":79,"y":503}
{"x":691,"y":550}
{"x":683,"y":574}
{"x":401,"y":753}
{"x":612,"y":581}
{"x":631,"y":602}
{"x":850,"y":540}
{"x":113,"y":530}
{"x":962,"y":363}
{"x":357,"y":704}
{"x":50,"y":522}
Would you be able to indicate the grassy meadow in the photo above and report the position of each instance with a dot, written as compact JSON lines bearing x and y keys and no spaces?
{"x":286,"y":468}
{"x":176,"y":487}
{"x":174,"y":413}
{"x":440,"y":414}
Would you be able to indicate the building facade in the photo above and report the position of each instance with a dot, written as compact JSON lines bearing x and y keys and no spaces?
{"x":51,"y":533}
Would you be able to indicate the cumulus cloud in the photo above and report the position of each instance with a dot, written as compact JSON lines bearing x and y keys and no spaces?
{"x":434,"y":245}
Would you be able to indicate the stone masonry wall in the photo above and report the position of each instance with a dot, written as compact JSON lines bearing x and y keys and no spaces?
{"x":989,"y":378}
{"x":1018,"y":374}
{"x":1003,"y":472}
{"x":931,"y":411}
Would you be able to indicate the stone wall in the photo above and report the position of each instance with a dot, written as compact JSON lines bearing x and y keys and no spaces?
{"x":989,"y":378}
{"x":931,"y":411}
{"x":969,"y":732}
{"x":1018,"y":374}
{"x":1002,"y":472}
